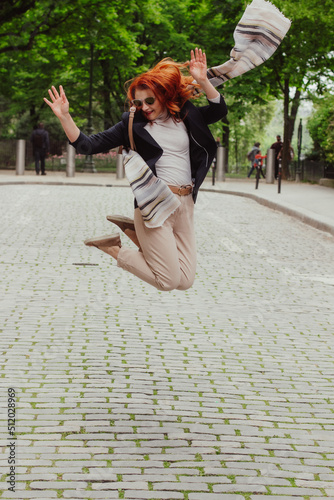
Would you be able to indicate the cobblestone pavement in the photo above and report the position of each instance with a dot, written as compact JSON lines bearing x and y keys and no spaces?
{"x":221,"y":392}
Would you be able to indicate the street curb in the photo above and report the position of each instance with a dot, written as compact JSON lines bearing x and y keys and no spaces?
{"x":322,"y":226}
{"x":60,"y":183}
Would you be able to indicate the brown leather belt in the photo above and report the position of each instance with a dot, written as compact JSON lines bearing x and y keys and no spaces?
{"x":181,"y":190}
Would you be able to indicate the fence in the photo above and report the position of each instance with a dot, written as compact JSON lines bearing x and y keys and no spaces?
{"x":7,"y":153}
{"x":56,"y":160}
{"x":311,"y":171}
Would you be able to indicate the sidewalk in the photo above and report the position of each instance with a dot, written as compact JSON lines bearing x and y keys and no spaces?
{"x":312,"y":204}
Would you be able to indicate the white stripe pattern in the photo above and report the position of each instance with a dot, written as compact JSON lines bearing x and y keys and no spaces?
{"x":257,"y":35}
{"x":154,"y":198}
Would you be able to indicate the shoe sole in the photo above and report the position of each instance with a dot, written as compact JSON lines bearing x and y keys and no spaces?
{"x":122,"y":222}
{"x":109,"y":240}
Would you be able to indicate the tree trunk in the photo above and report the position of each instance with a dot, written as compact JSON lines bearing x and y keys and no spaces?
{"x":293,"y":113}
{"x":286,"y":131}
{"x":107,"y":113}
{"x":34,"y":118}
{"x":289,"y":125}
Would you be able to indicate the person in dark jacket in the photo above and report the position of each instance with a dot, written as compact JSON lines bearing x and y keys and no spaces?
{"x":277,"y":146}
{"x":172,"y":136}
{"x":40,"y":147}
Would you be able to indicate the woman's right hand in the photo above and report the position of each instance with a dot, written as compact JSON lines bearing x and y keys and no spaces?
{"x":59,"y":105}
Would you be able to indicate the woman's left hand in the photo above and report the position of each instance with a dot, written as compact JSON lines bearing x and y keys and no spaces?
{"x":198,"y":65}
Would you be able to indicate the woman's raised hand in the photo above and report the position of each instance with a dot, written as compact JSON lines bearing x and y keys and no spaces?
{"x":198,"y":70}
{"x":198,"y":65}
{"x":59,"y":105}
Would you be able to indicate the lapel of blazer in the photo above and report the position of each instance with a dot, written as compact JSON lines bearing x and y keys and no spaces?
{"x":139,"y":127}
{"x":149,"y":148}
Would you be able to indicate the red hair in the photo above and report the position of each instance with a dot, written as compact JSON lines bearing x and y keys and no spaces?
{"x":168,"y":84}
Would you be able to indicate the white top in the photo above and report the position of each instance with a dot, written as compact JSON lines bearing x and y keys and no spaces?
{"x":173,"y":166}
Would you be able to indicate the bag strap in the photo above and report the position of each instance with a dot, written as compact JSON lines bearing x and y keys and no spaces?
{"x":130,"y":131}
{"x":132,"y":114}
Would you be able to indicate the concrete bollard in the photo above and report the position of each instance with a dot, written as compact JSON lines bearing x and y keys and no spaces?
{"x":220,"y":173}
{"x":119,"y":167}
{"x":270,"y":166}
{"x":70,"y":161}
{"x":20,"y":156}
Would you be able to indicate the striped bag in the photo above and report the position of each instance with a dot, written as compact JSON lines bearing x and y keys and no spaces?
{"x":154,"y":198}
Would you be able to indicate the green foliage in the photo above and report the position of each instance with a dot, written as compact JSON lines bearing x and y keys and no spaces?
{"x":251,"y":128}
{"x":49,"y":42}
{"x":321,"y":127}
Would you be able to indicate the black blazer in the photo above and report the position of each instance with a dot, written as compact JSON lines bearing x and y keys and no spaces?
{"x":196,"y":119}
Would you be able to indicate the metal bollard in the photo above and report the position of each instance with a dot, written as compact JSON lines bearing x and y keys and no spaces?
{"x":225,"y":160}
{"x":20,"y":156}
{"x":220,"y":173}
{"x":70,"y":161}
{"x":279,"y":178}
{"x":270,"y":166}
{"x":213,"y":171}
{"x":257,"y":177}
{"x":119,"y":167}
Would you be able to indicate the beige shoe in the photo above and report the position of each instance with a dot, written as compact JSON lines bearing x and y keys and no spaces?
{"x":122,"y":222}
{"x":110,"y":240}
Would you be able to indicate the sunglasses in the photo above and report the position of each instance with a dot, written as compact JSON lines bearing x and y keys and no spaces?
{"x":139,"y":103}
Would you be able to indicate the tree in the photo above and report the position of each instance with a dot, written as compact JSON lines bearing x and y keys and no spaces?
{"x":303,"y":62}
{"x":321,"y":127}
{"x":22,"y":21}
{"x":126,"y":38}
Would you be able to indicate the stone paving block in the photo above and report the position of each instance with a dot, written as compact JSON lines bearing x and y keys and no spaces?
{"x":226,"y":488}
{"x":43,"y":476}
{"x":214,"y":496}
{"x":292,"y":491}
{"x":78,"y":463}
{"x":316,"y":484}
{"x":172,"y":470}
{"x":327,"y":477}
{"x":55,"y":469}
{"x":121,"y":485}
{"x":101,"y":495}
{"x":230,"y":471}
{"x":153,"y":495}
{"x":105,"y":475}
{"x":30,"y":462}
{"x":280,"y":497}
{"x":31,"y":495}
{"x":183,"y":485}
{"x":58,"y":485}
{"x":265,"y":481}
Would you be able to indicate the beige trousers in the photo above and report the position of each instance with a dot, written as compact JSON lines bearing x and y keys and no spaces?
{"x":167,"y":258}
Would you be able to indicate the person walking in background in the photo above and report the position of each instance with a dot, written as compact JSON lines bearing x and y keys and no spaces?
{"x":290,"y":157}
{"x":291,"y":153}
{"x":277,"y":146}
{"x":40,"y":147}
{"x":174,"y":151}
{"x":251,"y":157}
